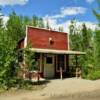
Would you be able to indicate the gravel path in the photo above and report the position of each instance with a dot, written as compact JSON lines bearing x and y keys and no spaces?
{"x":56,"y":88}
{"x":71,"y":85}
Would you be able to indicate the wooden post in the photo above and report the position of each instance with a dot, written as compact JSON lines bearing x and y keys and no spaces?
{"x":76,"y":66}
{"x":76,"y":61}
{"x":78,"y":73}
{"x":38,"y":76}
{"x":41,"y":60}
{"x":61,"y":72}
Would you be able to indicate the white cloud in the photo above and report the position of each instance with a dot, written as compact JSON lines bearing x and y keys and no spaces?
{"x":13,"y":2}
{"x":54,"y":25}
{"x":69,"y":11}
{"x":89,"y":25}
{"x":90,"y":1}
{"x":5,"y":19}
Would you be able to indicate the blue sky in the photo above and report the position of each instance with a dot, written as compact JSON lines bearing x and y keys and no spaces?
{"x":56,"y":11}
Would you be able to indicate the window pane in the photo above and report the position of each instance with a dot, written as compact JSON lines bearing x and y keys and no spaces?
{"x":49,"y":60}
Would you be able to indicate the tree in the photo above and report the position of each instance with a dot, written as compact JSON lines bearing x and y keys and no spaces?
{"x":86,"y":37}
{"x":40,"y":23}
{"x":75,"y":36}
{"x":29,"y":59}
{"x":47,"y":25}
{"x":15,"y":28}
{"x":35,"y":21}
{"x":25,"y":21}
{"x":82,"y":40}
{"x":7,"y":59}
{"x":97,"y":37}
{"x":9,"y":37}
{"x":97,"y":48}
{"x":60,"y":29}
{"x":75,"y":42}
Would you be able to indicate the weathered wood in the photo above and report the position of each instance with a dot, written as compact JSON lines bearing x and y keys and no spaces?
{"x":61,"y":72}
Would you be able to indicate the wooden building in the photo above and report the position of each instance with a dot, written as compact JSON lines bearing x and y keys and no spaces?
{"x":52,"y":51}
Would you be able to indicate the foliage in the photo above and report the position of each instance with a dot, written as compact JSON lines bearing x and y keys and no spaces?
{"x":9,"y":37}
{"x":82,"y":39}
{"x":47,"y":25}
{"x":37,"y":22}
{"x":29,"y":59}
{"x":97,"y":38}
{"x":89,"y":42}
{"x":75,"y":37}
{"x":60,"y":29}
{"x":97,"y":48}
{"x":8,"y":64}
{"x":14,"y":28}
{"x":94,"y":75}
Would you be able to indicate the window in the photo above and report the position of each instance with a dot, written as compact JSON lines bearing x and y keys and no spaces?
{"x":49,"y":60}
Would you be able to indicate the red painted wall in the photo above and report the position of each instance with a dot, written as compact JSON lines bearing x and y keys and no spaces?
{"x":39,"y":38}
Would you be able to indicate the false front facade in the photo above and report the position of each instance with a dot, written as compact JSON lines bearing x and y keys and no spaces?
{"x":52,"y":52}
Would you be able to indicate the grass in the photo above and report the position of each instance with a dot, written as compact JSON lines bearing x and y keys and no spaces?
{"x":34,"y":86}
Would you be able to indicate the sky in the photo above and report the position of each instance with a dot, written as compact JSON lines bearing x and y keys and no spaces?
{"x":56,"y":12}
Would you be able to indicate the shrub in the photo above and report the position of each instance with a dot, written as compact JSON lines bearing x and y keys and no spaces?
{"x":94,"y":75}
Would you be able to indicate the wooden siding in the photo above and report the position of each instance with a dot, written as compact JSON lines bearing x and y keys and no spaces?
{"x":39,"y":38}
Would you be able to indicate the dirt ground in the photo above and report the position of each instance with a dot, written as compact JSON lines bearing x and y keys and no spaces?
{"x":66,"y":89}
{"x":94,"y":95}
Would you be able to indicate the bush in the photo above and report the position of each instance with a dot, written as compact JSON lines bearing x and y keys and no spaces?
{"x":94,"y":75}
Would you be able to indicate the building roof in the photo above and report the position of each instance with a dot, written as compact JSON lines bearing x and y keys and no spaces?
{"x":52,"y":51}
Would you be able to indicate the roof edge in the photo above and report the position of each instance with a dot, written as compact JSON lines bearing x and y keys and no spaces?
{"x":45,"y":29}
{"x":53,"y":51}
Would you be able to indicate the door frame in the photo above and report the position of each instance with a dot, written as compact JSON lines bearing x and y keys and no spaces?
{"x":45,"y":64}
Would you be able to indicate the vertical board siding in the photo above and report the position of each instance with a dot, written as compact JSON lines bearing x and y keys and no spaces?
{"x":39,"y":38}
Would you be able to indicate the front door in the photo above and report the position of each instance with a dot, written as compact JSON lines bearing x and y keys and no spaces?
{"x":49,"y":66}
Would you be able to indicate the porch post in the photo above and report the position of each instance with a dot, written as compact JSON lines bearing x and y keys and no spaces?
{"x":76,"y":61}
{"x":76,"y":70}
{"x":40,"y":62}
{"x":61,"y":72}
{"x":65,"y":62}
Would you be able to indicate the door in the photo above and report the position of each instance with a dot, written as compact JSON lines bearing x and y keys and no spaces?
{"x":49,"y":66}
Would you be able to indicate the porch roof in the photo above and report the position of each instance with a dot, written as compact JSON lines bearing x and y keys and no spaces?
{"x":53,"y":51}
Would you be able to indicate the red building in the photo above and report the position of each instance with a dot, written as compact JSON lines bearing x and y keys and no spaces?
{"x":52,"y":48}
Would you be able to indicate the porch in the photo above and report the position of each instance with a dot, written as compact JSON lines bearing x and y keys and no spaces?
{"x":54,"y":63}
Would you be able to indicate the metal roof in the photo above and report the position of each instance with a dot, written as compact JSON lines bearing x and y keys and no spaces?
{"x":53,"y":51}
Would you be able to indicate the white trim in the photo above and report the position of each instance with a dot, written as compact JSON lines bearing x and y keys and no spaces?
{"x":53,"y":51}
{"x":65,"y":62}
{"x":25,"y":41}
{"x":56,"y":64}
{"x":68,"y":41}
{"x":41,"y":60}
{"x":51,"y":66}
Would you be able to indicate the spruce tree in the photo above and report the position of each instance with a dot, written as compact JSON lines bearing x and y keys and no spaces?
{"x":97,"y":37}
